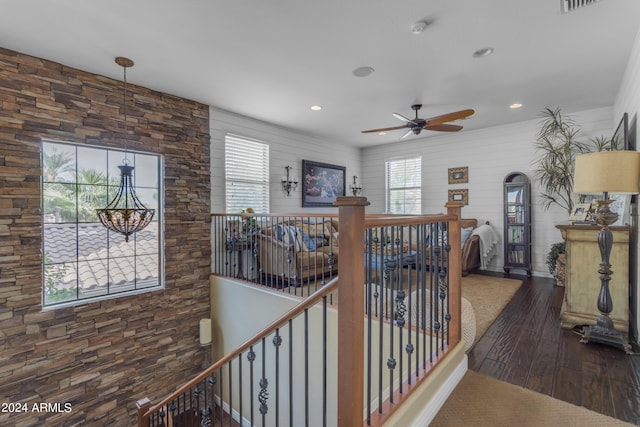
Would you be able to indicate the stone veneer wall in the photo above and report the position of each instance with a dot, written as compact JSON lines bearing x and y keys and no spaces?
{"x":101,"y":357}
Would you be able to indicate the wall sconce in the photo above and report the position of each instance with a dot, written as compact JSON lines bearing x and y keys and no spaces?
{"x":205,"y":341}
{"x":355,"y":188}
{"x":289,"y":183}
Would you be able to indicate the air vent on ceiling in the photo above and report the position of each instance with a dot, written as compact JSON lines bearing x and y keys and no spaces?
{"x":571,"y":5}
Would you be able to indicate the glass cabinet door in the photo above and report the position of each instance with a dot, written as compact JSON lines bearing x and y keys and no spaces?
{"x":517,"y":223}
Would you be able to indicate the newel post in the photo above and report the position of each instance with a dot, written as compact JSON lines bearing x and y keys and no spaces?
{"x":455,"y":272}
{"x":351,"y":311}
{"x":143,"y":406}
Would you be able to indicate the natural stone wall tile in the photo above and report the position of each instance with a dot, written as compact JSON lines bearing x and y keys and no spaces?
{"x":102,"y":356}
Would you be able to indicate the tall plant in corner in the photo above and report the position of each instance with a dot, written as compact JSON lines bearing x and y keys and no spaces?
{"x":558,"y":145}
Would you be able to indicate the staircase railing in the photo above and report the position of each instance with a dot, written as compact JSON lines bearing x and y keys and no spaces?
{"x":206,"y":400}
{"x":391,"y":332}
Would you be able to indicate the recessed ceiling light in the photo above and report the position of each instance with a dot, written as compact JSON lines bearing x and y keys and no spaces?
{"x":363,"y":71}
{"x":382,"y":133}
{"x":515,"y":105}
{"x":316,"y":107}
{"x":481,"y":53}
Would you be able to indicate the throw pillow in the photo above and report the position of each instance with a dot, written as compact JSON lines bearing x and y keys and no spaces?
{"x":465,"y":234}
{"x":293,"y":236}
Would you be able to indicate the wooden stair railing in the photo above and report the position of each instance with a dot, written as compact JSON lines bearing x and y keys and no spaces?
{"x":351,"y":327}
{"x":146,"y":409}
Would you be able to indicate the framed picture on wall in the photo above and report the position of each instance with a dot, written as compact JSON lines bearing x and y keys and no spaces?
{"x":461,"y":195}
{"x":459,"y":175}
{"x":322,"y":183}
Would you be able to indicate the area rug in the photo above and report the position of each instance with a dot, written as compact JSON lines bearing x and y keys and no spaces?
{"x":488,"y":295}
{"x":479,"y":400}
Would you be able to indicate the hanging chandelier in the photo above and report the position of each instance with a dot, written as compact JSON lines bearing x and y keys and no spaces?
{"x":125,"y":214}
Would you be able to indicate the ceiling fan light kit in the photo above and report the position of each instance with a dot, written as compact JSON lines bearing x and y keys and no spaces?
{"x":437,"y":123}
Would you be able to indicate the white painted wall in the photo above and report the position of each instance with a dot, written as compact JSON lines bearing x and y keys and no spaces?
{"x":286,"y":147}
{"x":490,"y":154}
{"x":628,"y":101}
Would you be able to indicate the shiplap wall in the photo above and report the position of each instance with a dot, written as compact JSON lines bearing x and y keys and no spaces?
{"x":628,"y":101}
{"x":286,"y":147}
{"x":490,"y":154}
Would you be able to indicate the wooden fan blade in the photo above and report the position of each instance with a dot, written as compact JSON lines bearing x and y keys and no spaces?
{"x":384,"y":129}
{"x":456,"y":115}
{"x":444,"y":127}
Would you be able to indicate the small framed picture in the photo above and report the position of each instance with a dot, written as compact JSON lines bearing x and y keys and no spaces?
{"x":459,"y":175}
{"x":461,"y":195}
{"x":579,"y":212}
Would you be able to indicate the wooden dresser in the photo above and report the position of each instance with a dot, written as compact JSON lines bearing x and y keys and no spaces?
{"x":583,"y":281}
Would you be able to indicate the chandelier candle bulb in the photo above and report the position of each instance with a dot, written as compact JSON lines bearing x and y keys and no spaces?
{"x":205,"y":331}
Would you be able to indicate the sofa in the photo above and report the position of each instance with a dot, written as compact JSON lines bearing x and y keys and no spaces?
{"x":296,"y":251}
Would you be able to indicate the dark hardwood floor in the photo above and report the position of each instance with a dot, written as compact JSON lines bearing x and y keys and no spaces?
{"x":526,"y":346}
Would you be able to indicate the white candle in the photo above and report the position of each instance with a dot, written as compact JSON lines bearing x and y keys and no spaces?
{"x":205,"y":331}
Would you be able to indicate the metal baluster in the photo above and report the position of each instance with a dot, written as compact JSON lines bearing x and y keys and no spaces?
{"x":251,"y":357}
{"x":368,"y":309}
{"x":290,"y":372}
{"x":240,"y":386}
{"x":212,"y":383}
{"x":324,"y":361}
{"x":230,"y":393}
{"x":263,"y":395}
{"x":306,"y":367}
{"x":172,"y":408}
{"x":277,"y":342}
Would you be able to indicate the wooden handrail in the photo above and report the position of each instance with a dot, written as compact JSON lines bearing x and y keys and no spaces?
{"x":278,"y":323}
{"x":353,"y":223}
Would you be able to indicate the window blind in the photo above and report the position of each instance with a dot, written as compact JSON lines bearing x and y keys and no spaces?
{"x":404,"y":185}
{"x":246,"y":174}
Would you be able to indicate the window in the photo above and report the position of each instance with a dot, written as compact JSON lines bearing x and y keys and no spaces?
{"x":404,"y":193}
{"x":83,"y":260}
{"x":246,"y":164}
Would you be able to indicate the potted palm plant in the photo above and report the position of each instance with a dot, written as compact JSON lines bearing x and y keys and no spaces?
{"x":558,"y":143}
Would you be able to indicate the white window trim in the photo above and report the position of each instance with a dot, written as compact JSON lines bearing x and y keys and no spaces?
{"x":260,"y":203}
{"x":158,"y":218}
{"x":388,"y":189}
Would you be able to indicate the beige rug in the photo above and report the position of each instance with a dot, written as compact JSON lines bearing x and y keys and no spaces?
{"x":483,"y":401}
{"x":488,"y":295}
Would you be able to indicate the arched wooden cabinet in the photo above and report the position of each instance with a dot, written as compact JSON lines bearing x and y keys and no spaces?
{"x":517,"y":223}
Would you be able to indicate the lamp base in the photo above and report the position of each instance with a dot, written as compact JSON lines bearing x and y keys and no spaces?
{"x":206,"y":362}
{"x":603,"y":332}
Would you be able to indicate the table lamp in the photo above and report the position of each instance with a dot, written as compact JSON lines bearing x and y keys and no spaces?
{"x":602,"y":173}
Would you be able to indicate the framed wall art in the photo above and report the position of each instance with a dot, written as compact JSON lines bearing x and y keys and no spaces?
{"x":459,"y":175}
{"x":460,"y":195}
{"x":322,"y":183}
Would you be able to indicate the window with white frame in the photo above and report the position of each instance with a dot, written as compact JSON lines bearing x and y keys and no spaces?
{"x":403,"y":182}
{"x":246,"y":165}
{"x":83,"y":260}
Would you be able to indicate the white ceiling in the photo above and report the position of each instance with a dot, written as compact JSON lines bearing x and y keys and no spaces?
{"x":273,"y":59}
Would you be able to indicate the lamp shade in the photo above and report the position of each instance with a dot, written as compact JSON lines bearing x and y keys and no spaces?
{"x":607,"y":172}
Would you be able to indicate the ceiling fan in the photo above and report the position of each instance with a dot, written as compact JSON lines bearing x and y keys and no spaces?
{"x":438,"y":123}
